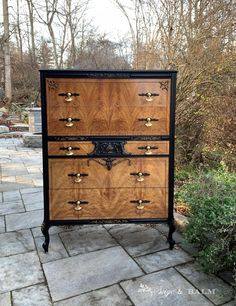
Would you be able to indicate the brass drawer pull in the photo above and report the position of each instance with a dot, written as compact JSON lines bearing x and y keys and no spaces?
{"x":78,"y":176}
{"x":148,"y":95}
{"x":140,"y":175}
{"x":148,"y":120}
{"x":69,"y":121}
{"x":148,"y":149}
{"x":69,"y":150}
{"x":68,"y":95}
{"x":77,"y":204}
{"x":140,"y":203}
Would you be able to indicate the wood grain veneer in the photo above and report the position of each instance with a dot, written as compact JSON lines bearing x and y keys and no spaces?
{"x":108,"y":203}
{"x":99,"y":177}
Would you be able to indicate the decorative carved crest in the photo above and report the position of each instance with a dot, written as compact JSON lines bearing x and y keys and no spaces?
{"x":164,"y":85}
{"x":112,"y":148}
{"x":109,"y":162}
{"x":52,"y":84}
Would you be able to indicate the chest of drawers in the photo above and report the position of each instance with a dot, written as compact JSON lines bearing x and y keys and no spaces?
{"x":108,"y":147}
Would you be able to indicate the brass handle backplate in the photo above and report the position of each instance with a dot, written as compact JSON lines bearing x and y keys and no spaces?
{"x":69,"y":121}
{"x":68,"y":95}
{"x":140,"y":175}
{"x":148,"y":149}
{"x":140,"y":203}
{"x":149,"y":96}
{"x":78,"y":176}
{"x":77,"y":204}
{"x":148,"y":121}
{"x":69,"y":150}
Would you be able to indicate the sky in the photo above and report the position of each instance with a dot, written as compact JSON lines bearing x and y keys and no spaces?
{"x":104,"y":15}
{"x":108,"y":18}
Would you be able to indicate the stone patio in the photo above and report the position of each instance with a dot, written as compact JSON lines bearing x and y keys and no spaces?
{"x":88,"y":265}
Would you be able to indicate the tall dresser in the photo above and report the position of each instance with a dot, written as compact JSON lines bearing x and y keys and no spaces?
{"x":108,"y":147}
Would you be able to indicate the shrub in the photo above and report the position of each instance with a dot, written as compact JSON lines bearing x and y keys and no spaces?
{"x":211,"y":197}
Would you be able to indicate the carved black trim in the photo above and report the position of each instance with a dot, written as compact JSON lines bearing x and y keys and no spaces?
{"x":95,"y":138}
{"x":107,"y":75}
{"x":52,"y":84}
{"x":109,"y":162}
{"x":112,"y":148}
{"x":109,"y":221}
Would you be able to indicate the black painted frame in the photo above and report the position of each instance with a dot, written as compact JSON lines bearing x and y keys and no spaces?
{"x":124,"y":74}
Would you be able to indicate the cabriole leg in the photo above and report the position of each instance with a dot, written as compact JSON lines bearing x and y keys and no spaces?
{"x":45,"y":228}
{"x":170,"y":235}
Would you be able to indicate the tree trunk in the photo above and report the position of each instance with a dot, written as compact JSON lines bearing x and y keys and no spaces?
{"x":7,"y":56}
{"x":32,"y":35}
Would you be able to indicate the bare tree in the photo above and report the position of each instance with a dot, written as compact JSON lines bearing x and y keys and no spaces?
{"x":32,"y":31}
{"x":7,"y":56}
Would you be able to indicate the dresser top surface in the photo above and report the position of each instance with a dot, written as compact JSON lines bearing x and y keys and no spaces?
{"x":106,"y":74}
{"x":112,"y":70}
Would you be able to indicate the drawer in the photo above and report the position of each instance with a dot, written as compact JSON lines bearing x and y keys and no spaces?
{"x":69,"y":148}
{"x":103,"y":93}
{"x":108,"y":203}
{"x":93,"y":173}
{"x":147,"y":147}
{"x":113,"y":121}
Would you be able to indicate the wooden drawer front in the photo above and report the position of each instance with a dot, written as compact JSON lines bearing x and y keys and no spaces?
{"x":69,"y":148}
{"x":109,"y":121}
{"x":94,"y":174}
{"x":103,"y":93}
{"x":147,"y":147}
{"x":108,"y":203}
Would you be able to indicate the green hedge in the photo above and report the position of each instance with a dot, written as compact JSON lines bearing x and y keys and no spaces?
{"x":211,"y":197}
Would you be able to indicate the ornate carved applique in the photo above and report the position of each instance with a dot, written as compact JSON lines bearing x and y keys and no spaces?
{"x":113,"y":148}
{"x":164,"y":85}
{"x":52,"y":84}
{"x":109,"y":162}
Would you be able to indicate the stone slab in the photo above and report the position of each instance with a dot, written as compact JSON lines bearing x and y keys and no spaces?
{"x":56,"y":249}
{"x":11,"y":196}
{"x":19,"y":271}
{"x":213,"y":287}
{"x":120,"y":228}
{"x":189,"y":248}
{"x":57,"y":229}
{"x":31,"y":190}
{"x":33,"y":201}
{"x":164,"y":229}
{"x":32,"y":140}
{"x":110,"y":296}
{"x":16,"y":242}
{"x":162,"y":260}
{"x":87,"y":239}
{"x":86,"y":272}
{"x":2,"y":224}
{"x":231,"y":303}
{"x":37,"y":295}
{"x":4,"y":129}
{"x":12,"y":207}
{"x":6,"y":185}
{"x":25,"y":220}
{"x":13,"y":169}
{"x":227,"y":276}
{"x":5,"y":299}
{"x":139,"y":242}
{"x":165,"y":287}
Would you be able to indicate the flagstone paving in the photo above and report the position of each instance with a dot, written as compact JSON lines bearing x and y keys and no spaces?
{"x":90,"y":265}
